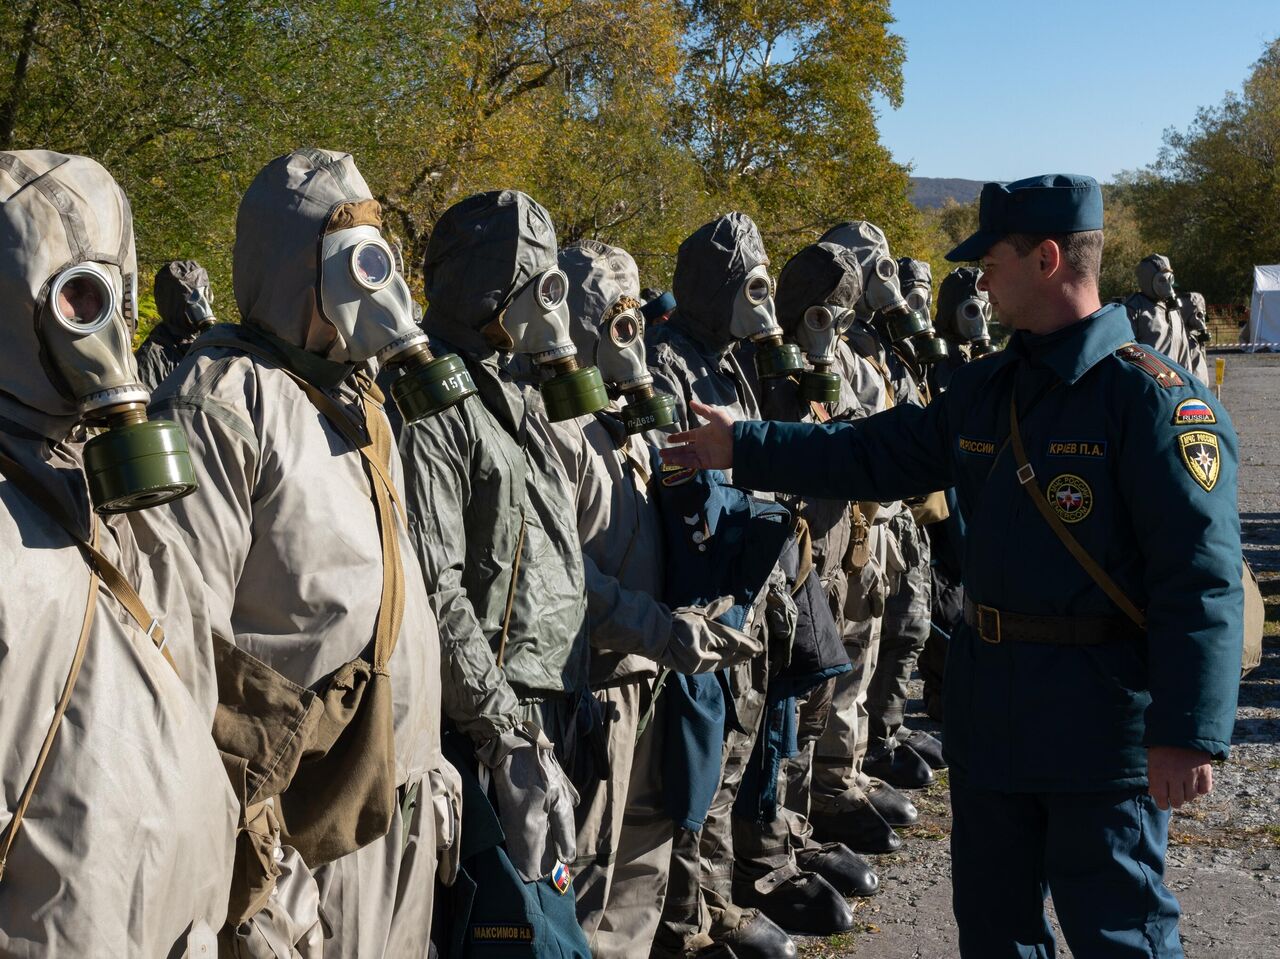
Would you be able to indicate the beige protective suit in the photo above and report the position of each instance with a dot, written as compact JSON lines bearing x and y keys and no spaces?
{"x":126,"y":846}
{"x":288,"y":538}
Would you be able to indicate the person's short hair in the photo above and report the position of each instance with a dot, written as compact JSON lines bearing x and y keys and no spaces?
{"x":1082,"y":251}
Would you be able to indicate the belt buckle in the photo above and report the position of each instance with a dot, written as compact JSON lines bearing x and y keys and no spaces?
{"x":989,"y":617}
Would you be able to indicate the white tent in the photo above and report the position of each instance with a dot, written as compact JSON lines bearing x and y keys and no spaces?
{"x":1264,"y":310}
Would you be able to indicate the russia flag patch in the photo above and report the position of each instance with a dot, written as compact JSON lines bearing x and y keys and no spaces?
{"x":560,"y":878}
{"x":1193,"y":413}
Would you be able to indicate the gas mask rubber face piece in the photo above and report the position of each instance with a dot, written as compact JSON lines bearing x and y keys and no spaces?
{"x":537,"y":323}
{"x":907,"y":328}
{"x":754,"y":319}
{"x":199,"y":308}
{"x":135,"y":463}
{"x":1196,"y":317}
{"x":621,"y":359}
{"x":817,"y":335}
{"x":1163,"y":285}
{"x":971,"y":318}
{"x":364,"y":297}
{"x":1155,"y":278}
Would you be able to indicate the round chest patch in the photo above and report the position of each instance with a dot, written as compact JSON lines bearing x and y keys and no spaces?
{"x":1070,"y":497}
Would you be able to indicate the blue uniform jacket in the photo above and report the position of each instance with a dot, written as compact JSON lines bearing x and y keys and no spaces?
{"x":1143,"y":471}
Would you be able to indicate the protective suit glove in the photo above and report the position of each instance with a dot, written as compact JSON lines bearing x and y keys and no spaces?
{"x":781,"y":618}
{"x":699,"y":644}
{"x":535,"y":800}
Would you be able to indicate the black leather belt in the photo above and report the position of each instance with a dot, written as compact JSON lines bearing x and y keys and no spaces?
{"x":996,"y":626}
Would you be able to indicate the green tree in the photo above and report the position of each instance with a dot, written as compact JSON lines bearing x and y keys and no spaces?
{"x":775,"y":104}
{"x":1209,"y":199}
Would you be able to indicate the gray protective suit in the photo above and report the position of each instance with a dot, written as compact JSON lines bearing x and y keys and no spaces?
{"x":288,"y":540}
{"x":624,"y":834}
{"x":1158,"y":322}
{"x":491,"y":513}
{"x":884,"y":603}
{"x":824,"y":273}
{"x":126,"y":847}
{"x":169,"y":340}
{"x":692,"y":356}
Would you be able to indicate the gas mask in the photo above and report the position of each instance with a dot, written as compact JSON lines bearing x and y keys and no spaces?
{"x":84,"y":322}
{"x":754,"y":320}
{"x":536,"y":322}
{"x":971,"y":318}
{"x":621,"y":358}
{"x":817,"y":335}
{"x":1195,"y":316}
{"x":200,"y":309}
{"x":1155,"y":278}
{"x":1163,"y":285}
{"x":907,"y":328}
{"x":364,"y":297}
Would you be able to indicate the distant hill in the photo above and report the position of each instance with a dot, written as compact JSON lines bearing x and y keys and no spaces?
{"x":929,"y":192}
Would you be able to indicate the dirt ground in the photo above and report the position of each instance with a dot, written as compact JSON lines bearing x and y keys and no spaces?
{"x":1224,"y":853}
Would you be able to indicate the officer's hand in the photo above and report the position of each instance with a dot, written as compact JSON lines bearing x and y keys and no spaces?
{"x":708,"y":447}
{"x":1176,"y":775}
{"x":535,"y":800}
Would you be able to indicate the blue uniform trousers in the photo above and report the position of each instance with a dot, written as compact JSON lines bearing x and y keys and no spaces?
{"x":1099,"y":854}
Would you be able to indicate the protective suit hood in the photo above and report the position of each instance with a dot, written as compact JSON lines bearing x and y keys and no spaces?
{"x":175,"y":282}
{"x":711,"y":265}
{"x":599,"y":276}
{"x":56,"y":211}
{"x":916,"y":279}
{"x":482,"y":251}
{"x":869,"y":245}
{"x":1148,"y":271}
{"x":821,"y":273}
{"x":276,"y":264}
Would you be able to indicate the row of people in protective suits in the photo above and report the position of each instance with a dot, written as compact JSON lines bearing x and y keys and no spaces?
{"x":346,"y":631}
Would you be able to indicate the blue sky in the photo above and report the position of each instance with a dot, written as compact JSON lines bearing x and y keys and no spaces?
{"x":1004,"y":89}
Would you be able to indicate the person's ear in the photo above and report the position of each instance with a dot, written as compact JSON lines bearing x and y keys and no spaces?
{"x":1050,"y":258}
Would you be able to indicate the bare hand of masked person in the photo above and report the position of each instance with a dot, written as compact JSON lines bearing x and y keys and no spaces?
{"x":707,"y":447}
{"x":535,"y":800}
{"x":697,"y":643}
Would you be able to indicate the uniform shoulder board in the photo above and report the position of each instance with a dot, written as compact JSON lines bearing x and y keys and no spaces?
{"x":1150,"y":364}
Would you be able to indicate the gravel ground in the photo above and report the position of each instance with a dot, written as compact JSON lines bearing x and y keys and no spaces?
{"x":1224,"y":854}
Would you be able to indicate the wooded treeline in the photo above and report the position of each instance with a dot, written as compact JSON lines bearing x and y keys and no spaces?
{"x":633,"y":121}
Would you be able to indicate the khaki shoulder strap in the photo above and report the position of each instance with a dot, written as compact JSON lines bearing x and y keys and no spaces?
{"x":1027,"y":479}
{"x":112,"y":578}
{"x":64,"y":700}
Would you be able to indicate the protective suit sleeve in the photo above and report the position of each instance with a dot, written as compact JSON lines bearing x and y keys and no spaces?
{"x":475,"y":693}
{"x":895,"y":454}
{"x":217,"y":519}
{"x":667,"y":378}
{"x":1190,"y":542}
{"x":688,"y":640}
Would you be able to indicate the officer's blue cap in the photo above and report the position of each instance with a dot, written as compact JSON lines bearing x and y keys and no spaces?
{"x":658,"y":306}
{"x":1053,"y":203}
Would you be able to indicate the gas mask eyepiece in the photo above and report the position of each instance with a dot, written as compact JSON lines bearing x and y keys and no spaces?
{"x":537,"y":323}
{"x":972,"y":316}
{"x":754,"y":319}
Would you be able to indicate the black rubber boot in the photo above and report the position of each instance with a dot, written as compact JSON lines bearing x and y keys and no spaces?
{"x":927,"y":747}
{"x":800,"y":902}
{"x":848,"y":873}
{"x":900,"y":766}
{"x":894,"y":807}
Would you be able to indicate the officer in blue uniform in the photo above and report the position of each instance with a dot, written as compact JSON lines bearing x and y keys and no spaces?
{"x":1070,"y":729}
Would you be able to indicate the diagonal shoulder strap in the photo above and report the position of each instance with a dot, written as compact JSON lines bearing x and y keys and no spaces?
{"x":1027,"y":479}
{"x":112,"y":578}
{"x":376,"y":450}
